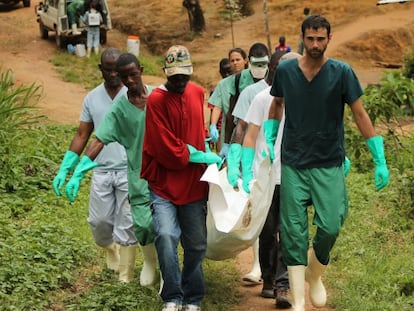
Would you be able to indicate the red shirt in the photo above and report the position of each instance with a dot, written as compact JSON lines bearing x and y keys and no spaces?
{"x":173,"y":121}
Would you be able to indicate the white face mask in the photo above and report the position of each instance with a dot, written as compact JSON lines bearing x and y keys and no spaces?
{"x":258,"y":72}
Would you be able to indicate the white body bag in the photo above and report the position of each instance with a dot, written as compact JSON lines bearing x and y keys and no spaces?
{"x":235,"y":218}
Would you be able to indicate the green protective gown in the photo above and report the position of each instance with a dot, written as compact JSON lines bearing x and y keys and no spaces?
{"x":125,"y":124}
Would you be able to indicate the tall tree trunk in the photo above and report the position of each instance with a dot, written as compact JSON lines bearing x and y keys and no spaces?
{"x":195,"y":15}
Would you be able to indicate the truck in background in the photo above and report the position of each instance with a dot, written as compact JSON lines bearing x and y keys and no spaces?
{"x":52,"y":17}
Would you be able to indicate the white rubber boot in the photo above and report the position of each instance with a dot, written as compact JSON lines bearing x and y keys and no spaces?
{"x":96,"y":50}
{"x":255,"y":275}
{"x":313,"y":273}
{"x":112,"y":256}
{"x":161,"y":284}
{"x":126,"y":263}
{"x":147,"y":276}
{"x":88,"y":52}
{"x":75,"y":30}
{"x":297,"y":287}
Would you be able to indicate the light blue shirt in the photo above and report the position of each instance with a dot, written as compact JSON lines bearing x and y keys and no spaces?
{"x":95,"y":105}
{"x":246,"y":98}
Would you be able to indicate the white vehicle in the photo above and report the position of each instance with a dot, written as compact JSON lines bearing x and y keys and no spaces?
{"x":52,"y":16}
{"x":391,"y":1}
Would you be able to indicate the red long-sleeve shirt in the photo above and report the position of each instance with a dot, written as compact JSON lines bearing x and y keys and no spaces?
{"x":173,"y":121}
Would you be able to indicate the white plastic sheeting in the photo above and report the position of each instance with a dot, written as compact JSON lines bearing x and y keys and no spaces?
{"x":235,"y":218}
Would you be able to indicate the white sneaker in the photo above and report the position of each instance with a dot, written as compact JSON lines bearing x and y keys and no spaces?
{"x":171,"y":306}
{"x":192,"y":308}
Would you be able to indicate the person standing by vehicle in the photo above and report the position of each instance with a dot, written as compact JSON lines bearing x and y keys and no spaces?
{"x":173,"y":162}
{"x":93,"y":20}
{"x":312,"y":91}
{"x":75,"y":10}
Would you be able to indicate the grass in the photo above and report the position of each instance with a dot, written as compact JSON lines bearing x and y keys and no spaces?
{"x":85,"y":71}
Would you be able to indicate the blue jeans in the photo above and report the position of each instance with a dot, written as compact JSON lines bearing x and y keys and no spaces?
{"x":185,"y":223}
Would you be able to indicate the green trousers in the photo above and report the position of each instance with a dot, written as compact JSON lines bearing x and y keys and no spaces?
{"x":325,"y":189}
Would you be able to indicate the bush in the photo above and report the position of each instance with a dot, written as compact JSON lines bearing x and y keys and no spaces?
{"x":17,"y":117}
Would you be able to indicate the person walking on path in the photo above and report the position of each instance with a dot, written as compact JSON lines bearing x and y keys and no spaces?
{"x":173,"y":161}
{"x":110,"y":227}
{"x":225,"y":100}
{"x":124,"y":124}
{"x":274,"y":271}
{"x":238,"y":61}
{"x":234,"y":154}
{"x":312,"y":91}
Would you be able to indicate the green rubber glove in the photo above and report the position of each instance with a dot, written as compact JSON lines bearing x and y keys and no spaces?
{"x":347,"y":166}
{"x":233,"y":164}
{"x":376,"y":147}
{"x":197,"y":156}
{"x":72,"y":187}
{"x":270,"y":128}
{"x":70,"y":159}
{"x":247,"y":163}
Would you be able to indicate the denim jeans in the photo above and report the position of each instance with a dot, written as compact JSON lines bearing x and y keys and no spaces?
{"x":187,"y":224}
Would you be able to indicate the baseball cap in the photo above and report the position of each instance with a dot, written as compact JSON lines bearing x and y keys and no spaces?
{"x":178,"y":61}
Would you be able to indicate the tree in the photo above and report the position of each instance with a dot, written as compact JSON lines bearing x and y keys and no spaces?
{"x":195,"y":15}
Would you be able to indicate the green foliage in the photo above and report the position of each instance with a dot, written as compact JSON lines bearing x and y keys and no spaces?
{"x":85,"y":71}
{"x":408,"y":68}
{"x":394,"y":96}
{"x":372,"y":259}
{"x":386,"y":104}
{"x":17,"y":117}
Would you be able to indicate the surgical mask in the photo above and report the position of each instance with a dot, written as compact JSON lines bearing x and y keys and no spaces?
{"x":258,"y":70}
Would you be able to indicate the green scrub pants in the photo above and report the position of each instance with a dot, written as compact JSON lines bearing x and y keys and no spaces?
{"x":325,"y":189}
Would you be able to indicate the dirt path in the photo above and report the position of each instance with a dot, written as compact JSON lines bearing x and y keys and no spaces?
{"x":28,"y":56}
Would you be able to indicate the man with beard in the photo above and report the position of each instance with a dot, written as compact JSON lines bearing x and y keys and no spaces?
{"x":313,"y":91}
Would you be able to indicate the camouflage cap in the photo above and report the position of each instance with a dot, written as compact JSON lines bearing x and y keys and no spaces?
{"x":177,"y":61}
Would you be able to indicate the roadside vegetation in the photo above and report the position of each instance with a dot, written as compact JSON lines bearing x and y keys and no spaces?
{"x":49,"y":261}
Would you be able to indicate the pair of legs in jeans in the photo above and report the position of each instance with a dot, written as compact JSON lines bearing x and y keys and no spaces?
{"x":186,"y":224}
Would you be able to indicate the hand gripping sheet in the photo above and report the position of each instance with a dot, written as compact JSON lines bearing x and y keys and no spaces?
{"x":235,"y":218}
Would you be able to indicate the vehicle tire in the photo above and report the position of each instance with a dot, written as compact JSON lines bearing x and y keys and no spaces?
{"x":60,"y":42}
{"x":102,"y":36}
{"x":44,"y":33}
{"x":26,"y":3}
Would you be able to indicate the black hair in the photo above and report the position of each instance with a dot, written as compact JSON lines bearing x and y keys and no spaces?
{"x":315,"y":22}
{"x":282,"y":39}
{"x":126,"y":59}
{"x":306,"y":11}
{"x":258,"y":50}
{"x":110,"y":52}
{"x":224,"y":62}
